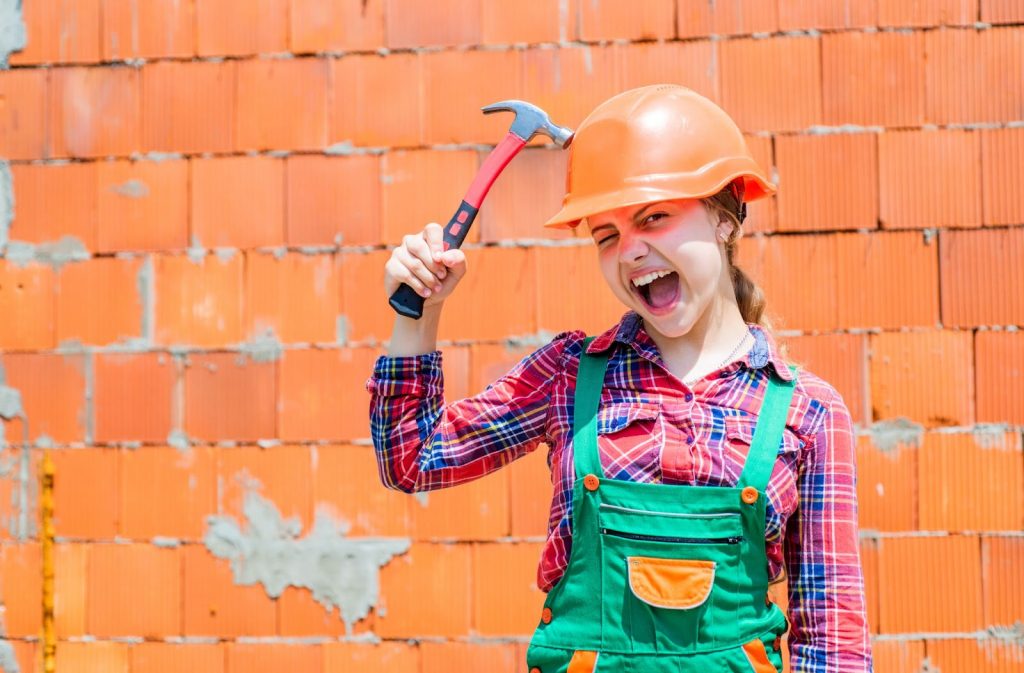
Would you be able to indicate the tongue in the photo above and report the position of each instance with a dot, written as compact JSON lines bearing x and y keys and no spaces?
{"x":662,"y":291}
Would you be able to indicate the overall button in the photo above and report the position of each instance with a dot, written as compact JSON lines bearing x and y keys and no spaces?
{"x":591,"y":482}
{"x":545,"y":615}
{"x":749,"y":495}
{"x":534,"y":670}
{"x":778,"y":642}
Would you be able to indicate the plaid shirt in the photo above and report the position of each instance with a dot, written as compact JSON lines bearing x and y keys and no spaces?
{"x":652,"y":428}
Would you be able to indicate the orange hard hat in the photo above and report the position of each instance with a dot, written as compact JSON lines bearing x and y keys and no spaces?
{"x":655,"y":143}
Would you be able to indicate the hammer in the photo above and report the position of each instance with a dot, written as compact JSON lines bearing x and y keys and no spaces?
{"x":530,"y":120}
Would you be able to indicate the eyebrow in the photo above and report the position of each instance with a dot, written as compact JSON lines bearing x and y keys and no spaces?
{"x":636,"y":217}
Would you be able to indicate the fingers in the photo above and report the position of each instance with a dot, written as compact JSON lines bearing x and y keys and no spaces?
{"x":434,"y":236}
{"x":417,"y":270}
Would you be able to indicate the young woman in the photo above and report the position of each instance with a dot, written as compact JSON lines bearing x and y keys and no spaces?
{"x":692,"y":464}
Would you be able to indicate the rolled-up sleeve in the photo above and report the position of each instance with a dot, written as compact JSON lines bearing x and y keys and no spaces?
{"x":827,"y":607}
{"x":423,"y":443}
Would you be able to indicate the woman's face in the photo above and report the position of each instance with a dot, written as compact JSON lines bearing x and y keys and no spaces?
{"x":662,"y":260}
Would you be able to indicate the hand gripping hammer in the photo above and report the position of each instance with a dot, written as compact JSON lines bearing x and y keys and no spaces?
{"x":530,"y":120}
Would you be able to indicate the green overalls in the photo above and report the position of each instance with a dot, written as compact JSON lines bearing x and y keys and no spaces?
{"x":664,"y":578}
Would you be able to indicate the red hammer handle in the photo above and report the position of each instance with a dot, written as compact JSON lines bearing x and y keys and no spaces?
{"x":405,"y":300}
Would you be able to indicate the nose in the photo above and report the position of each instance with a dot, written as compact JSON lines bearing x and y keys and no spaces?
{"x":632,"y":246}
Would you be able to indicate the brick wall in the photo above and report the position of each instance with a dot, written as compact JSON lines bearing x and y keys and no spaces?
{"x":203,"y":196}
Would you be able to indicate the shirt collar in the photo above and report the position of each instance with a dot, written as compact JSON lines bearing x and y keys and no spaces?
{"x":630,"y":331}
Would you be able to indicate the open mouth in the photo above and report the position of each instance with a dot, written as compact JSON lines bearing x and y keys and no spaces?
{"x":661,"y":294}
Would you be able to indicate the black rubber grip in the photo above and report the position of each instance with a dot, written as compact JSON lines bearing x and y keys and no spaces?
{"x":405,"y":300}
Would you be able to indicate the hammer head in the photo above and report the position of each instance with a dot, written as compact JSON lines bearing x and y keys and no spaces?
{"x":531,"y":120}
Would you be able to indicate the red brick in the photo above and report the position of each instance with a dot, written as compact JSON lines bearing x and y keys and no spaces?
{"x":299,"y":615}
{"x":424,"y":186}
{"x":378,"y":101}
{"x":442,"y":23}
{"x":1001,"y":559}
{"x":21,"y":566}
{"x":229,"y":396}
{"x":215,"y":606}
{"x":119,"y":317}
{"x":270,"y":658}
{"x":188,"y":107}
{"x":333,"y":200}
{"x":174,"y":657}
{"x":238,"y":201}
{"x":691,"y":64}
{"x":166,"y":492}
{"x":694,"y":19}
{"x":887,"y":485}
{"x":477,"y":510}
{"x":506,"y":600}
{"x":394,"y":657}
{"x":360,"y":304}
{"x":86,"y":492}
{"x":798,"y":275}
{"x":898,"y":656}
{"x":52,"y":389}
{"x":994,"y":655}
{"x":199,"y":303}
{"x":571,"y":291}
{"x":1001,"y":172}
{"x":827,"y":182}
{"x":929,"y":179}
{"x":762,"y":215}
{"x":133,"y":396}
{"x":282,"y":104}
{"x":143,"y":205}
{"x":24,"y":118}
{"x":316,"y":389}
{"x":92,"y":657}
{"x":41,"y":218}
{"x":456,"y":369}
{"x":71,"y":566}
{"x":1001,"y":11}
{"x":547,"y":72}
{"x":960,"y":94}
{"x":759,"y":76}
{"x":488,"y":304}
{"x":336,"y":25}
{"x":452,"y":114}
{"x":530,"y":494}
{"x":95,"y":111}
{"x":27,"y":292}
{"x":496,"y":657}
{"x":644,"y":20}
{"x":985,"y":468}
{"x":999,"y":359}
{"x":982,"y":277}
{"x":264,"y":27}
{"x":294,"y":296}
{"x":134,"y":590}
{"x":528,"y":192}
{"x":873,"y":78}
{"x":828,"y":14}
{"x":363,"y":502}
{"x":905,"y":381}
{"x":60,"y":31}
{"x":888,"y":280}
{"x":927,"y":14}
{"x":153,"y":29}
{"x":280,"y":474}
{"x":909,"y":570}
{"x":27,"y":654}
{"x":869,"y":565}
{"x":528,"y":22}
{"x":837,"y":358}
{"x":436,"y":575}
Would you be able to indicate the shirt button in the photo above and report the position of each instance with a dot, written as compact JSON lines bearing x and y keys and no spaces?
{"x":689,"y":439}
{"x":689,"y":397}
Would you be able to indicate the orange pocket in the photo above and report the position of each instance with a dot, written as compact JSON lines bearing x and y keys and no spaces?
{"x":677,"y":584}
{"x":758,"y":657}
{"x":582,"y":662}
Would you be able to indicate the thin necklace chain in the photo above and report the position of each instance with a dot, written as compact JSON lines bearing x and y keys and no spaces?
{"x":725,"y":361}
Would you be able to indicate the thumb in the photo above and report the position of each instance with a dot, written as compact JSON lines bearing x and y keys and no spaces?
{"x":455,"y":260}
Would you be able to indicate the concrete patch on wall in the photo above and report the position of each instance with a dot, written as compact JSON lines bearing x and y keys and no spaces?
{"x":15,"y":464}
{"x":266,"y":549}
{"x":8,"y":660}
{"x":53,"y":253}
{"x":887,"y":435}
{"x":12,"y":29}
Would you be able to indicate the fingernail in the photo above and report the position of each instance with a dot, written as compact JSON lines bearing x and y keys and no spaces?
{"x":437,"y":289}
{"x":426,"y":292}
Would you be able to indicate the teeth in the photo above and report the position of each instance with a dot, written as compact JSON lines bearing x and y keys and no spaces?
{"x":649,"y":278}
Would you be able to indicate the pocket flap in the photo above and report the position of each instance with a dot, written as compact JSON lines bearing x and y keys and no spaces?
{"x":613,"y":417}
{"x":676,"y":584}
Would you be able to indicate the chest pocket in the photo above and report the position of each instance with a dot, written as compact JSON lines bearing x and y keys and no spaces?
{"x":630,"y":435}
{"x":782,"y":492}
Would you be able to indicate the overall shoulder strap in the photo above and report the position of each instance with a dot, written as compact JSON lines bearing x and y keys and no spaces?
{"x":767,"y":441}
{"x":586,"y":398}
